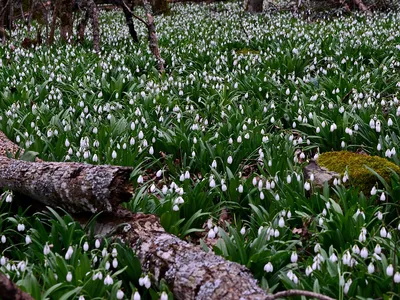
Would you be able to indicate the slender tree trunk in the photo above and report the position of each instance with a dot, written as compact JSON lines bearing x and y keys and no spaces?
{"x":66,"y":18}
{"x":255,"y":6}
{"x":95,"y":25}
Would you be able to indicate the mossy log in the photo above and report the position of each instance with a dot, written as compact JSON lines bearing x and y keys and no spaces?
{"x":355,"y":164}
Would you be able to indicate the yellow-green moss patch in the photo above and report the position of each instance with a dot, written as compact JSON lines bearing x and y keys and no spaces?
{"x":355,"y":164}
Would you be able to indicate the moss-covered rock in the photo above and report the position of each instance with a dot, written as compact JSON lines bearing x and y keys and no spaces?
{"x":354,"y":163}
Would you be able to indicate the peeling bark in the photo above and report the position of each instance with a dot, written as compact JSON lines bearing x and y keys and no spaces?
{"x":10,"y":291}
{"x":188,"y":270}
{"x":152,"y":36}
{"x":72,"y":186}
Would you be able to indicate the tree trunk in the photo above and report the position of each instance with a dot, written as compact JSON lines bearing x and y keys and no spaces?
{"x":66,"y":17}
{"x":9,"y":291}
{"x":92,"y":8}
{"x":188,"y":270}
{"x":72,"y":186}
{"x":255,"y":6}
{"x":152,"y":36}
{"x":361,"y":6}
{"x":159,"y":6}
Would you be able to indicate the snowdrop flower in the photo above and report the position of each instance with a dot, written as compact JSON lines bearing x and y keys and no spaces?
{"x":389,"y":270}
{"x":346,"y":258}
{"x":21,"y":227}
{"x":371,"y":268}
{"x":164,"y":296}
{"x":383,"y":232}
{"x":3,"y":239}
{"x":396,"y":277}
{"x":120,"y":294}
{"x":269,"y":267}
{"x":9,"y":198}
{"x":229,"y":160}
{"x":333,"y":258}
{"x":140,"y":179}
{"x":211,"y":234}
{"x":97,"y":244}
{"x":69,"y":277}
{"x":136,"y":296}
{"x":307,"y":186}
{"x":240,"y":188}
{"x":347,"y":286}
{"x":86,"y":246}
{"x":378,"y":249}
{"x":214,"y":164}
{"x":356,"y":249}
{"x":294,"y":257}
{"x":243,"y":231}
{"x":364,"y":252}
{"x":69,"y":253}
{"x":46,"y":249}
{"x":289,"y":179}
{"x":108,"y":280}
{"x":159,"y":173}
{"x":373,"y":191}
{"x":281,"y":222}
{"x":175,"y":208}
{"x":390,"y":122}
{"x":28,"y":240}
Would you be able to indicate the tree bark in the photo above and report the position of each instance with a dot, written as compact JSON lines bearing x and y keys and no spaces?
{"x":92,"y":8}
{"x":160,"y":7}
{"x":66,"y":18}
{"x":75,"y":187}
{"x":187,"y":269}
{"x":9,"y":290}
{"x":361,"y":6}
{"x":255,"y":6}
{"x":152,"y":36}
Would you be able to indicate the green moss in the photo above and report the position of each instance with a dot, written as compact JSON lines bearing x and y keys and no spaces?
{"x":355,"y":164}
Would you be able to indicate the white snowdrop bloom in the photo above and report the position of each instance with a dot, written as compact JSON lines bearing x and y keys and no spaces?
{"x":175,"y":208}
{"x":115,"y":263}
{"x":373,"y":191}
{"x":309,"y":270}
{"x":281,"y":222}
{"x":159,"y":173}
{"x":140,"y":135}
{"x":140,"y":179}
{"x":379,"y":147}
{"x":108,"y":280}
{"x":364,"y":252}
{"x":372,"y":124}
{"x":333,"y":258}
{"x":151,"y":150}
{"x":396,"y":277}
{"x":294,"y":257}
{"x":120,"y":294}
{"x":389,"y":270}
{"x":262,"y":196}
{"x":318,"y":130}
{"x":69,"y":277}
{"x":224,"y":187}
{"x":9,"y":198}
{"x":230,"y":141}
{"x":276,"y":233}
{"x":21,"y":227}
{"x":164,"y":296}
{"x":114,"y":154}
{"x":243,"y":231}
{"x":28,"y":240}
{"x":277,"y":197}
{"x":97,"y":244}
{"x":307,"y":186}
{"x":69,"y":253}
{"x":214,"y":164}
{"x":211,"y":234}
{"x":239,"y":139}
{"x":85,"y":246}
{"x":356,"y":249}
{"x":356,"y":127}
{"x":240,"y":188}
{"x":3,"y":260}
{"x":390,"y":122}
{"x":289,"y":179}
{"x":371,"y":268}
{"x":342,"y":144}
{"x":346,"y":258}
{"x":229,"y":160}
{"x":378,"y":126}
{"x":383,"y":232}
{"x":46,"y":249}
{"x":136,"y":296}
{"x":347,"y":286}
{"x":212,"y":182}
{"x":268,"y":267}
{"x":287,"y":91}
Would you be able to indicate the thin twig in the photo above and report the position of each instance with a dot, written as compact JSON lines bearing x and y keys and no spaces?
{"x":135,"y":16}
{"x":290,"y":293}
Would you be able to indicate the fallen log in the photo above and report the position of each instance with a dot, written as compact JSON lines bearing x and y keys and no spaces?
{"x":75,"y":187}
{"x":10,"y":291}
{"x":189,"y":271}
